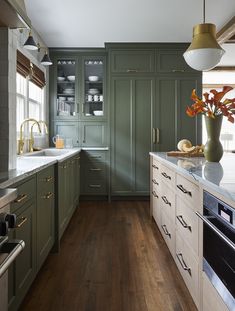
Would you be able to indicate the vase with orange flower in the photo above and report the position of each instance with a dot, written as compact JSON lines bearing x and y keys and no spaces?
{"x":213,"y":106}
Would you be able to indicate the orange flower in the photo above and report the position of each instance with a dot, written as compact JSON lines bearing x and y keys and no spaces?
{"x":212,"y":105}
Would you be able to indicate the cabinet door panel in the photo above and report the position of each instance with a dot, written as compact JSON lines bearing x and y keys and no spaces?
{"x":93,"y":134}
{"x":122,"y":165}
{"x":67,"y":130}
{"x":142,"y":136}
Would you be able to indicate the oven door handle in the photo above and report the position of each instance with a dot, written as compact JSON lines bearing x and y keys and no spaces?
{"x":218,"y":232}
{"x":19,"y":246}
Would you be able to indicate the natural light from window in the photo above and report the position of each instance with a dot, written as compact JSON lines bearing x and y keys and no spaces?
{"x":216,"y":80}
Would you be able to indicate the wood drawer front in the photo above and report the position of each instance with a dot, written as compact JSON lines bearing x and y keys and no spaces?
{"x":188,"y":267}
{"x":156,"y":209}
{"x":156,"y":169}
{"x":156,"y":185}
{"x":210,"y":296}
{"x":25,"y":192}
{"x":172,"y":62}
{"x":187,"y":224}
{"x":46,"y":179}
{"x":132,"y":61}
{"x":188,"y":191}
{"x":167,"y":198}
{"x":168,"y":232}
{"x":167,"y":176}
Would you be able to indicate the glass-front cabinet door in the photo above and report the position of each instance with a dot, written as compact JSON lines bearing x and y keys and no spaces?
{"x":93,"y":104}
{"x":67,"y":88}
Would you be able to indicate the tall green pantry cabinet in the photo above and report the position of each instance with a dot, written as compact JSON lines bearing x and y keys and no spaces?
{"x":150,"y":87}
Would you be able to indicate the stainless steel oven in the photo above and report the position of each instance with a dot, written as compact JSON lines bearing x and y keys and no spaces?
{"x":219,"y":246}
{"x":9,"y":250}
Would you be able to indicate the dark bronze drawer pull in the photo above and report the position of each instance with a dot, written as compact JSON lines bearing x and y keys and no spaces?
{"x":95,"y":186}
{"x":155,"y":166}
{"x":183,"y":223}
{"x":155,"y":182}
{"x":23,"y":220}
{"x":21,"y":198}
{"x":183,"y":264}
{"x":154,"y":194}
{"x":48,"y":195}
{"x":166,"y":176}
{"x":184,"y":190}
{"x":164,"y":228}
{"x":164,"y":199}
{"x":49,"y":178}
{"x":95,"y":169}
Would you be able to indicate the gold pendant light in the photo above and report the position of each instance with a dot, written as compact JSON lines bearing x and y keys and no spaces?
{"x":204,"y":53}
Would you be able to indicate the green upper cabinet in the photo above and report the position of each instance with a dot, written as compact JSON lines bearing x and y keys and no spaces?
{"x":132,"y":61}
{"x":171,"y":61}
{"x":93,"y":104}
{"x":94,"y":134}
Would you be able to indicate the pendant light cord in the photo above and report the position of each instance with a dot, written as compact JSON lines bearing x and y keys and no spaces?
{"x":204,"y":11}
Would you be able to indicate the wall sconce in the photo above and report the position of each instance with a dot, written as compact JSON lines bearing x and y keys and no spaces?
{"x":204,"y":53}
{"x":30,"y":44}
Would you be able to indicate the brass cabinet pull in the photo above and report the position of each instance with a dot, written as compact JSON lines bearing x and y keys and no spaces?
{"x":48,"y":195}
{"x":131,"y":70}
{"x":49,"y":178}
{"x":21,"y":198}
{"x":154,"y":135}
{"x":164,"y":228}
{"x":95,"y":186}
{"x":72,"y":161}
{"x":182,"y":263}
{"x":178,"y":70}
{"x":78,"y":158}
{"x":158,"y":135}
{"x":184,"y":190}
{"x":96,"y":157}
{"x":164,"y":199}
{"x":154,"y":166}
{"x":155,"y":182}
{"x":83,"y":108}
{"x":166,"y":176}
{"x":96,"y":169}
{"x":154,"y":194}
{"x":64,"y":166}
{"x":183,"y":223}
{"x":23,"y":220}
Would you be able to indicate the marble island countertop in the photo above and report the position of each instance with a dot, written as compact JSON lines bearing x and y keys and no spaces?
{"x":220,"y":177}
{"x":27,"y":165}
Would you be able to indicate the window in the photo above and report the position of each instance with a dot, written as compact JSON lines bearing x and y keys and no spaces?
{"x":29,"y":101}
{"x":216,"y":80}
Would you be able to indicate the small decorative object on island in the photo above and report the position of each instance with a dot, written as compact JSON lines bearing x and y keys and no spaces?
{"x":213,"y":108}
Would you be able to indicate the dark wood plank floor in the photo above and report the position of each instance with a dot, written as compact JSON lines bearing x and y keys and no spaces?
{"x":112,"y":258}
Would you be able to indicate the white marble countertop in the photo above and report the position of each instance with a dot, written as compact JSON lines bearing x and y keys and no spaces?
{"x":29,"y":165}
{"x":220,"y":177}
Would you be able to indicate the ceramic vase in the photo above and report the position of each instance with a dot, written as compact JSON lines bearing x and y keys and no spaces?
{"x":213,"y":151}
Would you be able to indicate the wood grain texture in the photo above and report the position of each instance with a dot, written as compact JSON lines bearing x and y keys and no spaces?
{"x":112,"y":258}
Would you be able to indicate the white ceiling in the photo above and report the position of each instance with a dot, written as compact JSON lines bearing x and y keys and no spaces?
{"x":82,"y":23}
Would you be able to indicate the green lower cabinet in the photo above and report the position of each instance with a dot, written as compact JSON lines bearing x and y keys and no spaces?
{"x":23,"y":270}
{"x":131,"y":107}
{"x":45,"y":214}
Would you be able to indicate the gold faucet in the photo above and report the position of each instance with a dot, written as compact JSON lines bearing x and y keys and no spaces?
{"x":21,"y":140}
{"x":31,"y":134}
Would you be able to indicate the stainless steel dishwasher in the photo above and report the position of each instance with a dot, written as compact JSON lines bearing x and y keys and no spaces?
{"x":9,"y":250}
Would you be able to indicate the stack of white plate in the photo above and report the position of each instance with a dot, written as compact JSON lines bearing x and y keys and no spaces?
{"x":68,"y":91}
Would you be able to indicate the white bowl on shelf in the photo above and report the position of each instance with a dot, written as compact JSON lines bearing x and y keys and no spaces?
{"x":62,"y":98}
{"x":71,"y":78}
{"x":68,"y":91}
{"x":93,"y":78}
{"x":93,"y":91}
{"x":98,"y":113}
{"x":60,"y":78}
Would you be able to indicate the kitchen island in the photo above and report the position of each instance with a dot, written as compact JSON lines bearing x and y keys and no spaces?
{"x":184,"y":191}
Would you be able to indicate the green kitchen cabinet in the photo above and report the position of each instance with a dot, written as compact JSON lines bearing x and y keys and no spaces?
{"x":23,"y":270}
{"x":45,"y":213}
{"x":67,"y":129}
{"x":94,"y":173}
{"x":131,"y":107}
{"x":94,"y":134}
{"x":169,"y":119}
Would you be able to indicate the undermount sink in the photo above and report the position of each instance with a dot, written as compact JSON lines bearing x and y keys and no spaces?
{"x":48,"y":153}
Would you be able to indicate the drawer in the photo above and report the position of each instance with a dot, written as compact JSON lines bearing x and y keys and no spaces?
{"x":167,"y":198}
{"x":167,"y":176}
{"x":132,"y":61}
{"x":172,"y":62}
{"x":156,"y":208}
{"x":156,"y":169}
{"x":188,"y":191}
{"x":25,"y":192}
{"x":168,"y":232}
{"x":187,"y":224}
{"x":97,"y":157}
{"x":188,"y":267}
{"x":46,"y":179}
{"x":95,"y":187}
